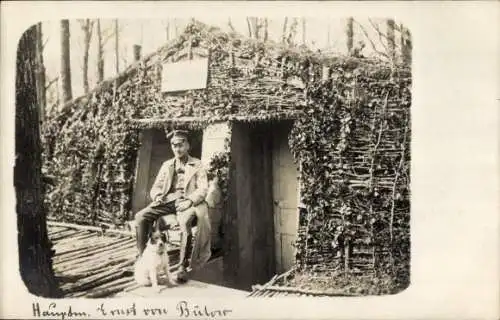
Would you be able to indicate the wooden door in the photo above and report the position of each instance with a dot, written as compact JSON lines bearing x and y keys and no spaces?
{"x":285,"y":194}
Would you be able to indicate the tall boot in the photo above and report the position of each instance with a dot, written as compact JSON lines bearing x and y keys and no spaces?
{"x":189,"y":250}
{"x":185,"y":255}
{"x":142,"y":233}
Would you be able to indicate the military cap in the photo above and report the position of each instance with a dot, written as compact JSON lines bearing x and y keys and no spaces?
{"x":178,"y":135}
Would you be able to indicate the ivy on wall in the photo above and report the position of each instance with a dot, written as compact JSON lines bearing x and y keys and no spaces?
{"x":218,"y":169}
{"x":353,"y":149}
{"x":92,"y":157}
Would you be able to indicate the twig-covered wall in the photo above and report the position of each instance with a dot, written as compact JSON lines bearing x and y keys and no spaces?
{"x":354,"y":152}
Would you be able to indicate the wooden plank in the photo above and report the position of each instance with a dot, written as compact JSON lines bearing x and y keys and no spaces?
{"x":74,"y":247}
{"x":81,"y":258}
{"x":95,"y":281}
{"x":267,"y":211}
{"x":77,"y":228}
{"x":85,"y":235}
{"x":230,"y":242}
{"x":92,"y":246}
{"x":243,"y":158}
{"x":63,"y":234}
{"x":96,"y":264}
{"x":114,"y":265}
{"x":86,"y":270}
{"x":262,"y":208}
{"x":73,"y":237}
{"x":285,"y":197}
{"x":94,"y":259}
{"x":69,"y":250}
{"x":283,"y":290}
{"x":54,"y":230}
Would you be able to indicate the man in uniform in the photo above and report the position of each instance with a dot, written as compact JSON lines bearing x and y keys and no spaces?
{"x":179,"y":191}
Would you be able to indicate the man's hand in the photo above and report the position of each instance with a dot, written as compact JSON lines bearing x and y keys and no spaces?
{"x":183,"y":204}
{"x":158,"y":198}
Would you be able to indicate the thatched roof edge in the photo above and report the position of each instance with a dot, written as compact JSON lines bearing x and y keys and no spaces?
{"x":232,"y":37}
{"x":155,"y":123}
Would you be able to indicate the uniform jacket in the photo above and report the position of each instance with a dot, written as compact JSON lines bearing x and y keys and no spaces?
{"x":195,"y":180}
{"x":195,"y":189}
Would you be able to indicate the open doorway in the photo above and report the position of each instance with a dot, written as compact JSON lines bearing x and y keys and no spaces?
{"x":261,"y":221}
{"x":154,"y":149}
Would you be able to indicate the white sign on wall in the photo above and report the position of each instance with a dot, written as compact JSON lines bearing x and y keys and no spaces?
{"x":185,"y":75}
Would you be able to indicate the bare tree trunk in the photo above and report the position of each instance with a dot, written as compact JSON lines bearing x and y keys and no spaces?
{"x":303,"y":31}
{"x":87,"y":26}
{"x":167,"y":31}
{"x":40,"y":73}
{"x":283,"y":33}
{"x":391,"y":41}
{"x":350,"y":35}
{"x":100,"y":53}
{"x":141,"y":33}
{"x":328,"y":35}
{"x":230,"y":25}
{"x":35,"y":249}
{"x":66,"y":89}
{"x":117,"y":48}
{"x":51,"y":95}
{"x":405,"y":45}
{"x":292,"y":33}
{"x":266,"y":31}
{"x":402,"y":41}
{"x":137,"y":52}
{"x":255,"y":27}
{"x":249,"y":25}
{"x":58,"y":93}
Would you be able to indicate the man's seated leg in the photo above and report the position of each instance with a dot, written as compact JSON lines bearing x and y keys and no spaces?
{"x":143,"y":222}
{"x":145,"y":218}
{"x":186,"y":221}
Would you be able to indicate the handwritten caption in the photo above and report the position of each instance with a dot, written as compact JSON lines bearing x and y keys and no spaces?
{"x":181,"y":309}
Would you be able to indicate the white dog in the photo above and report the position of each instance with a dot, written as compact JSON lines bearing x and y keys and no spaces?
{"x":153,"y":259}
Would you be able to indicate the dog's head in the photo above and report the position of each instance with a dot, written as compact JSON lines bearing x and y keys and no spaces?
{"x":158,"y":240}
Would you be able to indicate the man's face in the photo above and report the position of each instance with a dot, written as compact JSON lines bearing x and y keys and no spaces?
{"x":180,"y":147}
